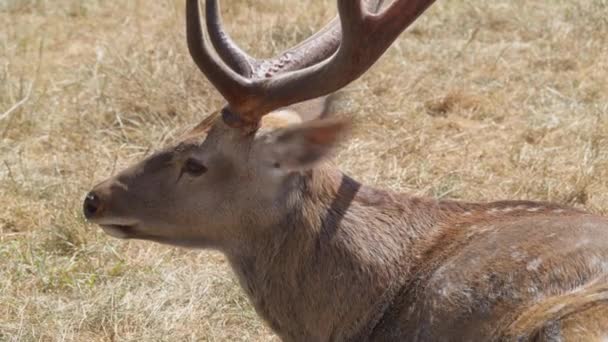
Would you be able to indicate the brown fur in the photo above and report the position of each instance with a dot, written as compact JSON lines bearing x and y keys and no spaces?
{"x":373,"y":265}
{"x":323,"y":257}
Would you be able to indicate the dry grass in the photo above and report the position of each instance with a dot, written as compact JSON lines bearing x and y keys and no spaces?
{"x":480,"y":100}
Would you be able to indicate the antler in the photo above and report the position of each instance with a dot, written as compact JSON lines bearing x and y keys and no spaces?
{"x":326,"y":42}
{"x":319,"y":66}
{"x":236,"y":58}
{"x":316,"y":48}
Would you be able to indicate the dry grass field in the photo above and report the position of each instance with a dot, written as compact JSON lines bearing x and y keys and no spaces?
{"x":479,"y":100}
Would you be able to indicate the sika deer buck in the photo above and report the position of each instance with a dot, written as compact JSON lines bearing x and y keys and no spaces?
{"x":323,"y":257}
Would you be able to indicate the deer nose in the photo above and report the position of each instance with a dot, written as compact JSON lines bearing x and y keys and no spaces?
{"x":91,"y":205}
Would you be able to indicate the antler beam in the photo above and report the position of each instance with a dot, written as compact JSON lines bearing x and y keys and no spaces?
{"x":324,"y":63}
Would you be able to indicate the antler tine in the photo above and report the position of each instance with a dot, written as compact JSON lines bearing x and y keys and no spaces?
{"x":231,"y":53}
{"x":316,"y":48}
{"x":389,"y":18}
{"x":365,"y":38}
{"x":231,"y":85}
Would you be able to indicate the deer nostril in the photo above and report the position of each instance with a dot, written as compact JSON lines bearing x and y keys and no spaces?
{"x":91,"y":205}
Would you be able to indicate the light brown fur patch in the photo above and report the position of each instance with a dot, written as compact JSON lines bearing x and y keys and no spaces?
{"x":279,"y":119}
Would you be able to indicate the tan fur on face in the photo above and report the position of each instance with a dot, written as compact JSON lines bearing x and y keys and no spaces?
{"x":279,"y":119}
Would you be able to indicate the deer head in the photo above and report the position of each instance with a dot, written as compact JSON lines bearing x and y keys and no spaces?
{"x":239,"y":170}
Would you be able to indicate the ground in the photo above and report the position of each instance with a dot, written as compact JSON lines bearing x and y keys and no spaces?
{"x":479,"y":100}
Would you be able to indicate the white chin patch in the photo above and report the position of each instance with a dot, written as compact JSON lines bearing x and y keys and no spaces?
{"x":117,"y":232}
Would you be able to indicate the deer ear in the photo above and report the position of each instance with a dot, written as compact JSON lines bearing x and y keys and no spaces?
{"x":301,"y":146}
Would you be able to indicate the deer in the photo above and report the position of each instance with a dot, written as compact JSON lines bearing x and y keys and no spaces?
{"x":323,"y":257}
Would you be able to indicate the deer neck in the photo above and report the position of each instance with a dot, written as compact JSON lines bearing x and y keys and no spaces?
{"x":340,"y":245}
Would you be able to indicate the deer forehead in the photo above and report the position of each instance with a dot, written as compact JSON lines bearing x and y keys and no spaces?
{"x":274,"y":120}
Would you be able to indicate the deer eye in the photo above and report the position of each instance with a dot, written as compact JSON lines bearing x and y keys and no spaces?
{"x":194,"y":167}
